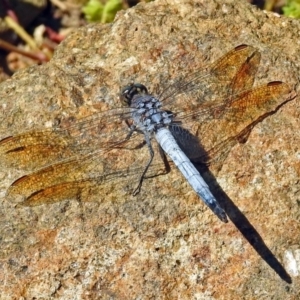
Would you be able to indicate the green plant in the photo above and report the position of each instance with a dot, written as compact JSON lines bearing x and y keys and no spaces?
{"x":292,"y":9}
{"x":95,"y":11}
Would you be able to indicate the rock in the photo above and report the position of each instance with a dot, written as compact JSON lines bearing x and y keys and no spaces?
{"x":164,"y":242}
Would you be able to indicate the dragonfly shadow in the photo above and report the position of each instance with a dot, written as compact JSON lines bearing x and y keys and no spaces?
{"x":243,"y":225}
{"x":232,"y":211}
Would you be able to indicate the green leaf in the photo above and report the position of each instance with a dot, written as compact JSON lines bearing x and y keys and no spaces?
{"x":110,"y":10}
{"x":95,"y":11}
{"x":292,"y":9}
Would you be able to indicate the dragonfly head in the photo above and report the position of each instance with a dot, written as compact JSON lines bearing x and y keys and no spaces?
{"x":131,"y":91}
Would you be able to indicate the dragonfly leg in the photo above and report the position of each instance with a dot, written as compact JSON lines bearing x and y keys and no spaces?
{"x":133,"y":129}
{"x":165,"y":160}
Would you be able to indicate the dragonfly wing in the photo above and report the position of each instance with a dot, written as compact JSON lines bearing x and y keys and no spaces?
{"x":34,"y":150}
{"x":233,"y":72}
{"x":31,"y":149}
{"x":244,"y":78}
{"x":233,"y":122}
{"x":248,"y":106}
{"x":74,"y":178}
{"x":80,"y":177}
{"x":68,"y":190}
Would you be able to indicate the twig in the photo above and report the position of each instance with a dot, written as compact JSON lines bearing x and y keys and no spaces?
{"x":40,"y":56}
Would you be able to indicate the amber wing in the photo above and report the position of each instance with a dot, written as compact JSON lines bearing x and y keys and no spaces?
{"x":228,"y":115}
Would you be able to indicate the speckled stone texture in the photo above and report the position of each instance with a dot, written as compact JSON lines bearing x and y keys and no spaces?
{"x":164,"y":243}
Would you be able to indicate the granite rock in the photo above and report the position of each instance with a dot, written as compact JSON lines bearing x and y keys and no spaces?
{"x":163,"y":243}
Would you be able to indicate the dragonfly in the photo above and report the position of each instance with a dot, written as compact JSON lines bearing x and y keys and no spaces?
{"x":195,"y":119}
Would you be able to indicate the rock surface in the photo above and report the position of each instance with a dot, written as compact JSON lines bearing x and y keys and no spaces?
{"x":163,"y":243}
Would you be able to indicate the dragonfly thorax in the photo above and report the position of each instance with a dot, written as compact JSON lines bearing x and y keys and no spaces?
{"x":147,"y":114}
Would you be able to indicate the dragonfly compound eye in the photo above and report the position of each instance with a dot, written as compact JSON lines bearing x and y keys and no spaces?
{"x":130,"y":91}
